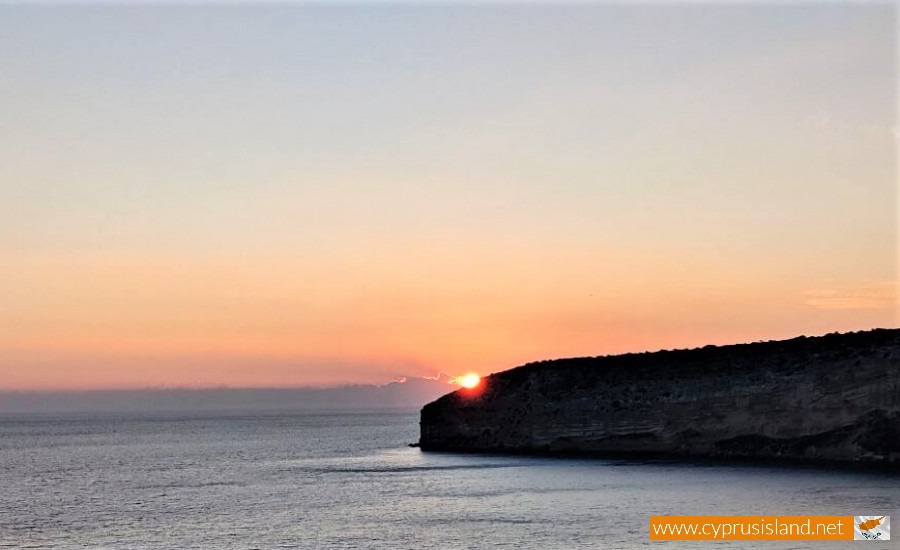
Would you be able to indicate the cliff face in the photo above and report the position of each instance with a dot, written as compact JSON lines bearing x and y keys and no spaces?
{"x":834,"y":397}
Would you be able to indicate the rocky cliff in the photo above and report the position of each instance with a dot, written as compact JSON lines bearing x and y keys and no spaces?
{"x":834,"y":397}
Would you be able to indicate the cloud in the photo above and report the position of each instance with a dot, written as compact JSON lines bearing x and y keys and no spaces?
{"x":867,"y":295}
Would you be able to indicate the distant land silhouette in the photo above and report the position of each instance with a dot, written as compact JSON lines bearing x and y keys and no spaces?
{"x":410,"y":393}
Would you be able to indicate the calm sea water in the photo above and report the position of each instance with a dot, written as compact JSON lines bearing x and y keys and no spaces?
{"x":323,"y":481}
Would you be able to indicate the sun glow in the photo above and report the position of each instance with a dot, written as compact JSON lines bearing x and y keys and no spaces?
{"x":469,"y":381}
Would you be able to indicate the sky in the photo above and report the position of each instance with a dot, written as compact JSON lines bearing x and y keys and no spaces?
{"x":295,"y":195}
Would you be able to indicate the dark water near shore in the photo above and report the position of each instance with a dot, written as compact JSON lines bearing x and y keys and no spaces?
{"x":318,"y":481}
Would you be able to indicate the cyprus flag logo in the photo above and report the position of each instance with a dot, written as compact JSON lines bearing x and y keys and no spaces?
{"x":872,"y":527}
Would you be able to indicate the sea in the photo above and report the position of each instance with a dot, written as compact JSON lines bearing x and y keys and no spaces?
{"x":322,"y":480}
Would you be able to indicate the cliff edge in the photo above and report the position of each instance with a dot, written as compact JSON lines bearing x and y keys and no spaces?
{"x":827,"y":398}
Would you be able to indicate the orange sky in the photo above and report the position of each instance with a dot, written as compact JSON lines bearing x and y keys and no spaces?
{"x":349,"y":196}
{"x":88,"y":322}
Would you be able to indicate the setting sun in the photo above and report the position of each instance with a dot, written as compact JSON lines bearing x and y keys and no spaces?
{"x":469,"y":381}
